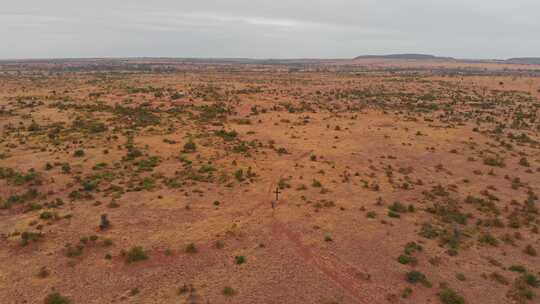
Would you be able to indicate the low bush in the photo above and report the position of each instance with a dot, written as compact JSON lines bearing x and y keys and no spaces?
{"x":56,"y":298}
{"x":450,"y":296}
{"x":228,"y":291}
{"x":136,"y":254}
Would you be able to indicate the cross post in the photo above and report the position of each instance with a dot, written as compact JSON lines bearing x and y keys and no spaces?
{"x":277,"y":193}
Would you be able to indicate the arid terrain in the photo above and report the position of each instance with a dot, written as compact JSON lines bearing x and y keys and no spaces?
{"x":154,"y":181}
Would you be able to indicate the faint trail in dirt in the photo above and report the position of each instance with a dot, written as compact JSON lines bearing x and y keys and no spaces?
{"x":339,"y":272}
{"x":342,"y":274}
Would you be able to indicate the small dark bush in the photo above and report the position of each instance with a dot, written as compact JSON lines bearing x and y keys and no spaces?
{"x":450,"y":296}
{"x":229,"y":291}
{"x":239,"y":259}
{"x":530,"y":250}
{"x":190,"y":146}
{"x":417,"y":277}
{"x":56,"y":298}
{"x":78,"y":153}
{"x":191,"y":248}
{"x":488,"y":239}
{"x":407,"y":259}
{"x":136,"y":254}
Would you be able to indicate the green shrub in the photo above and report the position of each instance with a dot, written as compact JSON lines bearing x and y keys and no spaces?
{"x":417,"y":277}
{"x":428,"y":231}
{"x":494,"y":162}
{"x":46,"y":215}
{"x":73,"y":251}
{"x":28,"y":236}
{"x":281,"y":151}
{"x":147,"y":164}
{"x":66,"y":168}
{"x":227,"y":136}
{"x":450,"y":296}
{"x":78,"y":153}
{"x":524,"y":162}
{"x":239,"y":259}
{"x":136,"y":254}
{"x":406,"y":293}
{"x":398,"y":207}
{"x":229,"y":291}
{"x":448,"y":212}
{"x":132,"y":153}
{"x":190,"y":146}
{"x":488,"y":239}
{"x":241,"y":148}
{"x":191,"y":248}
{"x":407,"y":259}
{"x":517,"y":268}
{"x":412,"y":247}
{"x":56,"y":298}
{"x":531,"y":280}
{"x":393,"y":214}
{"x":239,"y":175}
{"x":521,"y":291}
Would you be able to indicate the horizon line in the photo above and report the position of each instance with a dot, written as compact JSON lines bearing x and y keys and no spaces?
{"x":374,"y":56}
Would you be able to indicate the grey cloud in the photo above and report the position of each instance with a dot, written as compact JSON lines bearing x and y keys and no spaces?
{"x":269,"y":29}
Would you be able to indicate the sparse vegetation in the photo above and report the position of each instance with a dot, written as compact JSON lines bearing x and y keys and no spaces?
{"x":56,"y":298}
{"x":228,"y":291}
{"x":450,"y":296}
{"x":221,"y":168}
{"x":135,"y":254}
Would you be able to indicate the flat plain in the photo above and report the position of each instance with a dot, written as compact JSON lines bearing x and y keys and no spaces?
{"x":140,"y":181}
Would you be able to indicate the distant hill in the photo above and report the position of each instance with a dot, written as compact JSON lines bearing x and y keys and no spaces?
{"x":405,"y":56}
{"x":524,"y":60}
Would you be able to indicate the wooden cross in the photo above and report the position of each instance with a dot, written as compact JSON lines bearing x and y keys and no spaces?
{"x":277,"y":193}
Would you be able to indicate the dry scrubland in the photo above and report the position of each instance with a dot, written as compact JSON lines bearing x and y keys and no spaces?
{"x":156,"y":187}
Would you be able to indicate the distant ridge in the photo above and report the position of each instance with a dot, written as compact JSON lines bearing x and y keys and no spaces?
{"x":524,"y":60}
{"x":412,"y":56}
{"x":405,"y":56}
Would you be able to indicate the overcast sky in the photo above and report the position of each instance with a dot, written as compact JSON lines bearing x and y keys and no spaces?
{"x":268,"y":28}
